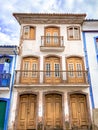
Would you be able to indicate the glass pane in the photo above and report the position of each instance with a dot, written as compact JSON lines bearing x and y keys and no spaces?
{"x":79,"y":68}
{"x":55,"y":36}
{"x":26,"y":32}
{"x":48,"y":38}
{"x":71,"y":69}
{"x":97,"y":44}
{"x":48,"y":73}
{"x":76,"y":33}
{"x":34,"y":69}
{"x":26,"y":67}
{"x":70,"y":33}
{"x":57,"y":69}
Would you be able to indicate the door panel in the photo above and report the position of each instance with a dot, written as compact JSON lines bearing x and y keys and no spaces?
{"x":79,"y":111}
{"x":53,"y":111}
{"x":75,"y":67}
{"x":27,"y":112}
{"x":2,"y":114}
{"x":30,"y":67}
{"x":52,"y":68}
{"x":22,"y":116}
{"x":32,"y":112}
{"x":52,"y":38}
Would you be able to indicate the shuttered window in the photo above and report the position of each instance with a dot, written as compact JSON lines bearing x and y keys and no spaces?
{"x":73,"y":33}
{"x":29,"y":32}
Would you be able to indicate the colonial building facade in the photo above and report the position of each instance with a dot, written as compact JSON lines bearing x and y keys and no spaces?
{"x":90,"y":38}
{"x":8,"y":56}
{"x":51,"y":89}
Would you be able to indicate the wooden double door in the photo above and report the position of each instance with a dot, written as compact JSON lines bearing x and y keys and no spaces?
{"x":79,"y":111}
{"x":30,"y":69}
{"x":53,"y":111}
{"x":75,"y":68}
{"x":52,"y":70}
{"x":52,"y":37}
{"x":27,"y":112}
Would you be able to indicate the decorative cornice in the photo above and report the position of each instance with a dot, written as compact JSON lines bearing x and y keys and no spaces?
{"x":9,"y":50}
{"x":55,"y":18}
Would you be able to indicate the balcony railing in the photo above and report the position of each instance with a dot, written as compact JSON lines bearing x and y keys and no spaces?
{"x":51,"y":77}
{"x":52,"y":43}
{"x":5,"y":79}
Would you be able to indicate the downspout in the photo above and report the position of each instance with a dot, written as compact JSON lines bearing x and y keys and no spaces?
{"x":87,"y":67}
{"x":11,"y":89}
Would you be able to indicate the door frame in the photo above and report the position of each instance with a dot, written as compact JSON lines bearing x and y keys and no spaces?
{"x":48,"y":56}
{"x":87,"y":102}
{"x":21,"y":64}
{"x":62,"y":95}
{"x":17,"y":106}
{"x":75,"y":56}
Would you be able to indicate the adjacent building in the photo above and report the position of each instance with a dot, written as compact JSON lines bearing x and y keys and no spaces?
{"x":90,"y":38}
{"x":51,"y":89}
{"x":8,"y":55}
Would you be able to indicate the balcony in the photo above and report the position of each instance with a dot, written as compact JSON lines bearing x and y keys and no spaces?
{"x":5,"y":80}
{"x":52,"y":43}
{"x":57,"y":78}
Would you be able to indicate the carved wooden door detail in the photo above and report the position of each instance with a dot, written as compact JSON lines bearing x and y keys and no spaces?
{"x":53,"y":111}
{"x":79,"y":112}
{"x":27,"y":112}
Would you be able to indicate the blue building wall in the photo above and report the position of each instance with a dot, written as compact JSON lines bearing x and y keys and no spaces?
{"x":11,"y":71}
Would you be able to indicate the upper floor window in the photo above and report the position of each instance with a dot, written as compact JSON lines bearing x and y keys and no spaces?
{"x":52,"y":36}
{"x":97,"y":44}
{"x":29,"y":32}
{"x":73,"y":33}
{"x":5,"y":64}
{"x":96,"y":47}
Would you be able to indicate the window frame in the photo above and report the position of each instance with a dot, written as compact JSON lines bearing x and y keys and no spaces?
{"x":74,"y":36}
{"x":96,"y":47}
{"x":28,"y":37}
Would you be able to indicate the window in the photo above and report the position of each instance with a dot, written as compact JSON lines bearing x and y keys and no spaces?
{"x":29,"y":32}
{"x":48,"y":38}
{"x":34,"y":69}
{"x":5,"y":64}
{"x":55,"y":34}
{"x":71,"y":69}
{"x":26,"y":67}
{"x":79,"y":69}
{"x":48,"y":67}
{"x":73,"y":33}
{"x":57,"y":69}
{"x":96,"y":47}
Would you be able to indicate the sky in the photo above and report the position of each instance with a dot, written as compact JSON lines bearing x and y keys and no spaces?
{"x":9,"y":27}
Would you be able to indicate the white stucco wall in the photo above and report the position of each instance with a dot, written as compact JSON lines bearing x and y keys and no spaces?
{"x":32,"y":48}
{"x":93,"y":64}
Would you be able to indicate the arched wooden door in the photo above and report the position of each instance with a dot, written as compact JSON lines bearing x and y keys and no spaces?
{"x":52,"y":36}
{"x":30,"y":69}
{"x":75,"y":68}
{"x":27,"y":112}
{"x":52,"y":70}
{"x":53,"y":111}
{"x":79,"y":111}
